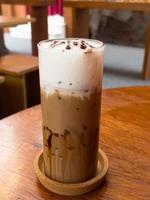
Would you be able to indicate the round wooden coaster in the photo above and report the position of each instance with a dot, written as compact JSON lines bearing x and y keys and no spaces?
{"x":72,"y":189}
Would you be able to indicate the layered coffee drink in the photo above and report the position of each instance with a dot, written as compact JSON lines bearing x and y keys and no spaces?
{"x":71,"y":71}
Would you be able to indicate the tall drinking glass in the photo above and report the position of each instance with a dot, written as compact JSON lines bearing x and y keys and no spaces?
{"x":71,"y":73}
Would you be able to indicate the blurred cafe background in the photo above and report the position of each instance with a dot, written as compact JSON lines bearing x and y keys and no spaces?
{"x":123,"y":29}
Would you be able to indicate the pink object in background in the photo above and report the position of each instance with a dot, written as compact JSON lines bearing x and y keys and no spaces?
{"x":56,"y":9}
{"x":53,"y":10}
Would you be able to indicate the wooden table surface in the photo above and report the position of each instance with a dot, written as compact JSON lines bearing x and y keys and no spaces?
{"x":125,"y":137}
{"x":7,"y":21}
{"x":136,"y":5}
{"x":25,"y":64}
{"x":29,"y":2}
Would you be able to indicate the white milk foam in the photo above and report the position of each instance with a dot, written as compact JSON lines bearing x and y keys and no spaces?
{"x":71,"y":64}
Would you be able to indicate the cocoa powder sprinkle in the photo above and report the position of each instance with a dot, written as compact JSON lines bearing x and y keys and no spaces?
{"x":68,"y":47}
{"x":75,"y":43}
{"x":83,"y":46}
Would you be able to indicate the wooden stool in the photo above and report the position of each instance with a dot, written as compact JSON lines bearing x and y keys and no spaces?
{"x":21,"y":81}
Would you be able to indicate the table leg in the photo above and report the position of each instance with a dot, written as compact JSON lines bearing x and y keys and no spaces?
{"x":32,"y":88}
{"x":146,"y":64}
{"x":15,"y":93}
{"x":22,"y":91}
{"x":2,"y":101}
{"x":3,"y":49}
{"x":40,"y":27}
{"x":77,"y":21}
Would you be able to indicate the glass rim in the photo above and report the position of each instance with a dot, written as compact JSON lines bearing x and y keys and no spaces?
{"x":70,"y":38}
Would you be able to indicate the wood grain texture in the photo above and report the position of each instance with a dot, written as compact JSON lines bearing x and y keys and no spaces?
{"x":40,"y":27}
{"x":29,"y":2}
{"x":146,"y":63}
{"x":77,"y":22}
{"x":6,"y":21}
{"x":125,"y":137}
{"x":17,"y":64}
{"x":136,"y":5}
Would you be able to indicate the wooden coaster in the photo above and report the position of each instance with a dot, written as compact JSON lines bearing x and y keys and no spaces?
{"x":72,"y":189}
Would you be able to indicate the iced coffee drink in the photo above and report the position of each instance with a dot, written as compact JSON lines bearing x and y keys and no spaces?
{"x":71,"y":71}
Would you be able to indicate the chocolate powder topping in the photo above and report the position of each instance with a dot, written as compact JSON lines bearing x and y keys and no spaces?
{"x":53,"y":44}
{"x":56,"y":43}
{"x":88,"y":44}
{"x":68,"y":47}
{"x":75,"y":43}
{"x":83,"y":45}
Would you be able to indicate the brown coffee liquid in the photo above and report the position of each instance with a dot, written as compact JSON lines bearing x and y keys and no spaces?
{"x":71,"y":134}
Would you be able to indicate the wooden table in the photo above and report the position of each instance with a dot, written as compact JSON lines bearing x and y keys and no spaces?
{"x":6,"y":21}
{"x":125,"y":137}
{"x":77,"y":19}
{"x":38,"y":10}
{"x":21,"y":82}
